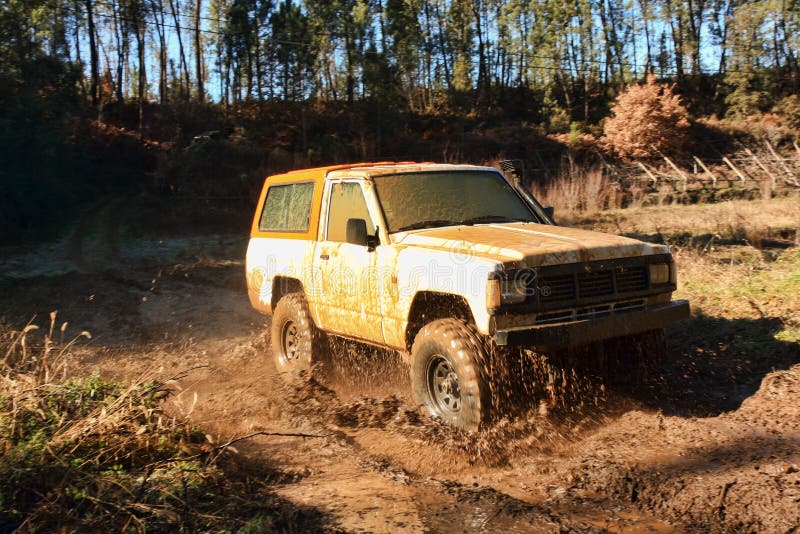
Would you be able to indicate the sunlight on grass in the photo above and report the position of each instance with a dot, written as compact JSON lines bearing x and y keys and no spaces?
{"x":93,"y":453}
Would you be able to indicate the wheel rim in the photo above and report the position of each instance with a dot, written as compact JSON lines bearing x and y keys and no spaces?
{"x":289,"y":339}
{"x":443,"y":387}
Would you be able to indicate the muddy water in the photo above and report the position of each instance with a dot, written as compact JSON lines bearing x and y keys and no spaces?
{"x":601,"y":460}
{"x":388,"y":467}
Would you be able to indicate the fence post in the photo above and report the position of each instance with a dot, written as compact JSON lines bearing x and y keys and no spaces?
{"x":789,"y":174}
{"x":734,"y":169}
{"x":647,"y":171}
{"x":711,"y":174}
{"x":763,"y":167}
{"x":680,"y":173}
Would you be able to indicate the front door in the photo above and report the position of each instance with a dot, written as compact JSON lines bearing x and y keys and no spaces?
{"x":345,"y":276}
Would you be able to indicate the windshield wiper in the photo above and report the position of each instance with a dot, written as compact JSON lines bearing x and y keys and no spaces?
{"x":492,"y":219}
{"x":427,"y":224}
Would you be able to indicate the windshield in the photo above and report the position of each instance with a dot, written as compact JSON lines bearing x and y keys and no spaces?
{"x":411,"y":201}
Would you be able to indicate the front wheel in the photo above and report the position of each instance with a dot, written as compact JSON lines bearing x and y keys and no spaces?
{"x":447,"y":377}
{"x":297,"y":345}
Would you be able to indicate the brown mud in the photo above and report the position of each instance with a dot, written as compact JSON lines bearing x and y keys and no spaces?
{"x":701,"y":447}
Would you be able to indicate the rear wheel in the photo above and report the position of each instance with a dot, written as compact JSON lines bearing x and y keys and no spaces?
{"x":297,"y":345}
{"x":448,"y":359}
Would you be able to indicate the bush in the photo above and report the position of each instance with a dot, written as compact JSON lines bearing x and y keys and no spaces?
{"x":92,"y":454}
{"x":789,"y":108}
{"x":647,"y":120}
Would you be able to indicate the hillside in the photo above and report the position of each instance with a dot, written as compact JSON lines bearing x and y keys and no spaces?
{"x":710,"y":444}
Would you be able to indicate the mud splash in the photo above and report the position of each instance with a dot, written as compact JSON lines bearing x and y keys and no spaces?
{"x":583,"y":454}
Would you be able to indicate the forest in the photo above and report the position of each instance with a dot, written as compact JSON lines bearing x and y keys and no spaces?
{"x":103,"y":98}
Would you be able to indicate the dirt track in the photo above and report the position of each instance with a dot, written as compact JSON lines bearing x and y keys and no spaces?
{"x":709,"y":447}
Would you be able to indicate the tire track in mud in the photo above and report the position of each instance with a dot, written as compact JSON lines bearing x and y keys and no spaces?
{"x":365,"y":491}
{"x":616,"y":473}
{"x":452,"y":479}
{"x":737,"y":472}
{"x":387,"y":467}
{"x":360,"y":473}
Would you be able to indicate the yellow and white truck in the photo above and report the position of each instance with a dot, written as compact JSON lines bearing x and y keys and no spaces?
{"x":443,"y":263}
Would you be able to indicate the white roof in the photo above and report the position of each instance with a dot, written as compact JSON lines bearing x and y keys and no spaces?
{"x":377,"y":170}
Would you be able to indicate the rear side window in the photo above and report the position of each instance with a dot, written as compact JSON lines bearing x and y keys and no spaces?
{"x":287,"y":208}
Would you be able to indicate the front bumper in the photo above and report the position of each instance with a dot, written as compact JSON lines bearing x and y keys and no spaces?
{"x":576,"y":333}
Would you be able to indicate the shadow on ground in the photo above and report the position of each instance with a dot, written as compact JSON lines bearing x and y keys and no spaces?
{"x":714,"y":364}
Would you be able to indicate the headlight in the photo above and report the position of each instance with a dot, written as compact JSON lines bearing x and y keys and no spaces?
{"x":503,"y":292}
{"x":659,"y":273}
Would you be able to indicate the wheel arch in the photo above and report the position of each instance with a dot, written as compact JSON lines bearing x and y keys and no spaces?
{"x":283,"y":285}
{"x":429,"y":306}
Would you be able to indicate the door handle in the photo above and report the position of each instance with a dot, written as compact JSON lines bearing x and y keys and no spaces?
{"x":324,"y":256}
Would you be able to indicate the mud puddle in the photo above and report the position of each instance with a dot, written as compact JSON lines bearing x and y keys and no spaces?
{"x":378,"y":463}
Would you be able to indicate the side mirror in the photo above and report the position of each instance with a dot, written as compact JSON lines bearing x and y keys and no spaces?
{"x":548,"y":210}
{"x":357,"y":232}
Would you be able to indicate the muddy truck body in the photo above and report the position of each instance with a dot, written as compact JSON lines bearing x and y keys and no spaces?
{"x":452,"y":265}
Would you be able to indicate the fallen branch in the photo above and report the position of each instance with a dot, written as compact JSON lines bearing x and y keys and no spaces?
{"x":221,"y":448}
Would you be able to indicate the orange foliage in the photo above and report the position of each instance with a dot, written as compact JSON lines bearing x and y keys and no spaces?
{"x":647,"y":120}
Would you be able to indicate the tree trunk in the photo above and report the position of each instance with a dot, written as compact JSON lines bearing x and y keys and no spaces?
{"x":259,"y":84}
{"x":443,"y":48}
{"x":94,"y":87}
{"x":139,"y":28}
{"x":158,"y":18}
{"x":482,"y":85}
{"x":122,"y":53}
{"x":184,"y":69}
{"x":198,"y":52}
{"x":351,"y":83}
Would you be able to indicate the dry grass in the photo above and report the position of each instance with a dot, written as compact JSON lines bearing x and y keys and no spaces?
{"x":742,"y":282}
{"x":736,"y":260}
{"x":86,"y":453}
{"x":578,"y":190}
{"x":737,"y":221}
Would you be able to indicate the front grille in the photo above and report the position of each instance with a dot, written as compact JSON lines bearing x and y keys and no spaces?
{"x":596,"y":284}
{"x":603,"y":281}
{"x":631,"y":279}
{"x":634,"y":305}
{"x":557,"y":288}
{"x":592,"y":312}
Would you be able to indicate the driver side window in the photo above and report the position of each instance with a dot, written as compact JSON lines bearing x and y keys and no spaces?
{"x":347,"y":202}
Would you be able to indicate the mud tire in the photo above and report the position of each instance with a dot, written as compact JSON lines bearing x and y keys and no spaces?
{"x":448,"y":359}
{"x":298,"y":346}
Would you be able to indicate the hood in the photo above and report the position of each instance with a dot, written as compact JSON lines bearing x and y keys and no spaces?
{"x":534,"y":244}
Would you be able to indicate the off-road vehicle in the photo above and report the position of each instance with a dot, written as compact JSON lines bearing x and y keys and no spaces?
{"x":448,"y":264}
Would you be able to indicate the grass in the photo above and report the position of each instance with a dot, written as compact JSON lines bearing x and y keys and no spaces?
{"x":579,"y":190}
{"x":735,"y":259}
{"x":740,"y":221}
{"x":739,"y":267}
{"x":744,"y":282}
{"x":81,"y":453}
